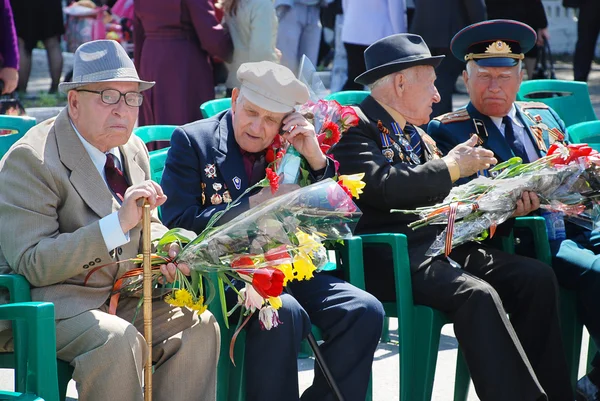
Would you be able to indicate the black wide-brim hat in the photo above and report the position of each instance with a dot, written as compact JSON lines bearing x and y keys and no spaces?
{"x":494,"y":43}
{"x":395,"y":53}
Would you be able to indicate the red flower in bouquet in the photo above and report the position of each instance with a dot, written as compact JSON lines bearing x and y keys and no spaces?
{"x":348,"y":117}
{"x":270,"y":156}
{"x":268,"y":282}
{"x":331,"y":133}
{"x":341,"y":198}
{"x":570,"y":153}
{"x":273,"y":179}
{"x":242,"y":262}
{"x":279,"y":253}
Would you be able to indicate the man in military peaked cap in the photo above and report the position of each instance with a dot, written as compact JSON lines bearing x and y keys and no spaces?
{"x":213,"y":161}
{"x":493,"y":51}
{"x":404,"y":169}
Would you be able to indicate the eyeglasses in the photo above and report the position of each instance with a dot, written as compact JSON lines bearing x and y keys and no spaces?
{"x":112,"y":96}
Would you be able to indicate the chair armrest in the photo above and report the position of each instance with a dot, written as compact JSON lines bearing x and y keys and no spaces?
{"x":17,"y":286}
{"x":38,"y":349}
{"x":351,"y":256}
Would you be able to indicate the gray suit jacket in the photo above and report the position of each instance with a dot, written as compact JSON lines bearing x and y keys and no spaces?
{"x":437,"y":21}
{"x":51,"y":201}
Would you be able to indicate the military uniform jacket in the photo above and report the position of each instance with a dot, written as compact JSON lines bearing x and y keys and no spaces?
{"x":392,"y":185}
{"x":204,"y":171}
{"x":542,"y":124}
{"x":51,"y":201}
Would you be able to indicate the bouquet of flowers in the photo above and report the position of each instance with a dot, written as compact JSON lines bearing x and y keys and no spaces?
{"x":566,"y":180}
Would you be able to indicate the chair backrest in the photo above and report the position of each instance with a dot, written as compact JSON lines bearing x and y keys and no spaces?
{"x":13,"y":123}
{"x":215,"y":106}
{"x":149,"y":133}
{"x":157,"y":163}
{"x":348,"y":98}
{"x":570,"y":99}
{"x":585,"y":132}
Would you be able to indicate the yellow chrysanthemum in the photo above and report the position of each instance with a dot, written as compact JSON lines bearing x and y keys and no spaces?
{"x":303,"y":267}
{"x":180,"y":297}
{"x":307,"y":242}
{"x":287,"y":270}
{"x":275,"y":302}
{"x":198,"y":306}
{"x":354,"y":183}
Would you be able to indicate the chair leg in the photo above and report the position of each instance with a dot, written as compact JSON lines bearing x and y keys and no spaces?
{"x":65,"y":373}
{"x":571,"y":329}
{"x":428,"y":324}
{"x":462,"y":378}
{"x":385,"y":333}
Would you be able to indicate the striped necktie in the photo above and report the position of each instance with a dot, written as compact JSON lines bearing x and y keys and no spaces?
{"x":114,"y":177}
{"x":415,"y":139}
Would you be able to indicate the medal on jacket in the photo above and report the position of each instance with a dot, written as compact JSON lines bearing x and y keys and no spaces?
{"x":408,"y":149}
{"x":387,"y":151}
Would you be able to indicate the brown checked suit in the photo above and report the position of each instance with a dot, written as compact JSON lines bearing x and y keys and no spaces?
{"x":50,"y":206}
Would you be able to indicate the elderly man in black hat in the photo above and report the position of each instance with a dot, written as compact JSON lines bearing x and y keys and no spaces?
{"x":493,"y":51}
{"x":516,"y":359}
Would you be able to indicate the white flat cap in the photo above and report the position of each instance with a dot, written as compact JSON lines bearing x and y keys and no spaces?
{"x":271,"y":86}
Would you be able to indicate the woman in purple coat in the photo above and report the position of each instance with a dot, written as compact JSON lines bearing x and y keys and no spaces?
{"x":174,"y":42}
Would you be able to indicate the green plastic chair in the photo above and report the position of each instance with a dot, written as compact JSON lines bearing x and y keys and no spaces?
{"x":215,"y":106}
{"x":15,"y":123}
{"x":571,"y":326}
{"x":570,"y":99}
{"x":419,"y":329}
{"x":348,"y":98}
{"x":157,"y":164}
{"x":150,"y":133}
{"x":34,"y":332}
{"x":231,"y":380}
{"x":585,"y":132}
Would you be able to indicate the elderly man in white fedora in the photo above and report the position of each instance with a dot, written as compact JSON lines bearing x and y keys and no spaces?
{"x":215,"y":160}
{"x":74,"y":181}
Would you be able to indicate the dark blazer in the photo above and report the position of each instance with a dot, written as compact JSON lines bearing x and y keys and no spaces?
{"x":395,"y":185}
{"x":438,"y":28}
{"x":530,"y":12}
{"x":204,"y":171}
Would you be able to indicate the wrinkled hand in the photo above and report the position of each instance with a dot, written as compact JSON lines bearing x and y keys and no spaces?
{"x":265,"y":193}
{"x":542,"y":36}
{"x":169,"y":270}
{"x":472,"y":159}
{"x":130,"y":213}
{"x":301,"y":134}
{"x":10,"y":76}
{"x":528,"y":203}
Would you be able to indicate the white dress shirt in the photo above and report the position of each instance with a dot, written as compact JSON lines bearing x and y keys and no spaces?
{"x":110,"y":227}
{"x":520,"y":133}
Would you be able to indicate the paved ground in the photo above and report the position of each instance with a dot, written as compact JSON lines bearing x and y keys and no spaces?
{"x":385,"y":386}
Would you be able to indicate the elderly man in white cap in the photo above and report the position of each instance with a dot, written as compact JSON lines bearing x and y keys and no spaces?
{"x":214,"y":161}
{"x":72,"y":206}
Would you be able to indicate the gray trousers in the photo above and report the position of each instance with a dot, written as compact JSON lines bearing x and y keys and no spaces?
{"x":299,"y":33}
{"x":108,"y":353}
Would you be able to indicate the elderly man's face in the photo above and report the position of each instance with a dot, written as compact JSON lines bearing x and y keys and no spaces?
{"x":105,"y":126}
{"x":254,"y":128}
{"x":493,"y":90}
{"x":421,"y":94}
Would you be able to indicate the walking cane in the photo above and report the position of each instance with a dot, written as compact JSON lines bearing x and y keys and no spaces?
{"x":321,"y":362}
{"x":147,"y":291}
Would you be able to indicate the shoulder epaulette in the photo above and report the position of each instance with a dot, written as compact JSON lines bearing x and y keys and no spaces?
{"x":452,"y":117}
{"x":532,"y":105}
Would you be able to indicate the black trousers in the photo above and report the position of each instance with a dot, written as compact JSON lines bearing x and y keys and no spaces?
{"x":588,"y":28}
{"x":356,"y":65}
{"x":517,"y":359}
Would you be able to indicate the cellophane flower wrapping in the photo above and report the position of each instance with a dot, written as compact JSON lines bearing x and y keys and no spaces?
{"x":273,"y":243}
{"x":474,"y":209}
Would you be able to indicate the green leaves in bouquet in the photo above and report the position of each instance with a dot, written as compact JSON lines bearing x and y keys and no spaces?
{"x":173,"y":235}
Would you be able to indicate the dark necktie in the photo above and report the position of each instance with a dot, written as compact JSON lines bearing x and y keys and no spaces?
{"x":258,"y":169}
{"x":515,"y":143}
{"x":415,"y":139}
{"x":114,"y":177}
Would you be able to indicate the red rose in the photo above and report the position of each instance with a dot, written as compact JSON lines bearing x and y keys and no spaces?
{"x":268,"y":282}
{"x":348,"y":117}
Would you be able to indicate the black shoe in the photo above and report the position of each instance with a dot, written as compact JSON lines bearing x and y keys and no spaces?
{"x":586,"y":390}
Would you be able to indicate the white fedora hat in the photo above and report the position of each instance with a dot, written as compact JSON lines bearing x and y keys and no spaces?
{"x":102,"y":61}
